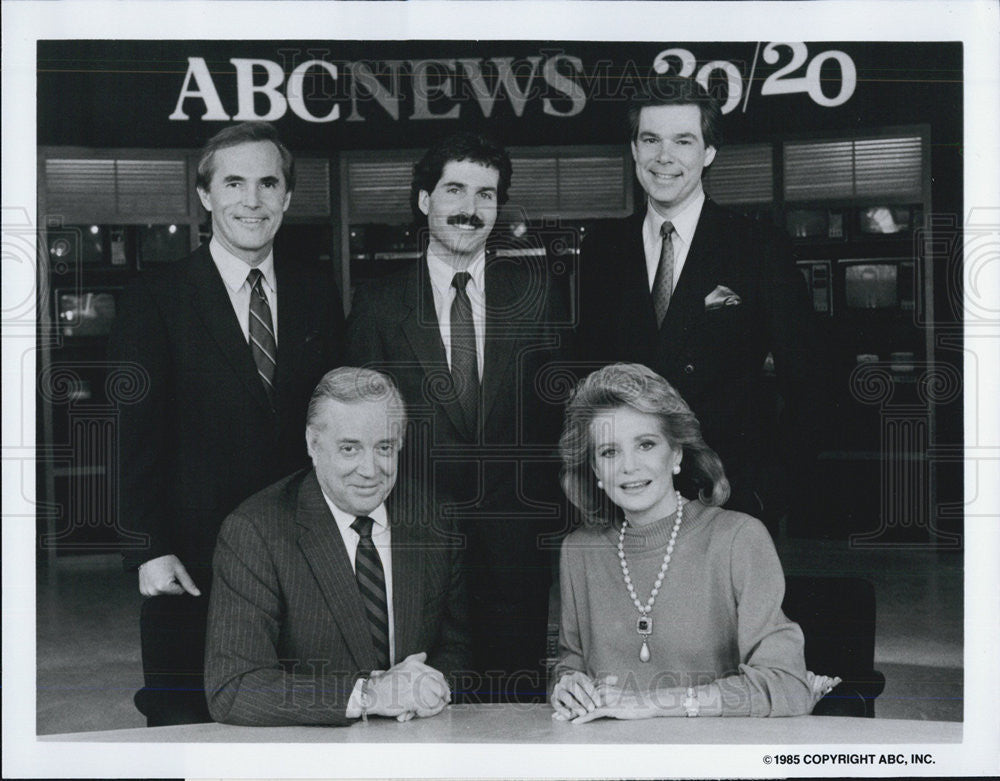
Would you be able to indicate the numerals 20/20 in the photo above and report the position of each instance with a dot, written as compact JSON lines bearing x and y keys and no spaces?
{"x":681,"y":62}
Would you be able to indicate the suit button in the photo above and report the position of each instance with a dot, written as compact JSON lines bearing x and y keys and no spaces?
{"x":689,"y":369}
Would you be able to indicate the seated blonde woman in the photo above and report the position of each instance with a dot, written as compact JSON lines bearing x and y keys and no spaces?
{"x":671,"y":606}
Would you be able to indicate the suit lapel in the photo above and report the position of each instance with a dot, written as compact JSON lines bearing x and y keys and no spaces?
{"x":635,"y":277}
{"x":502,"y":311}
{"x":216,"y":311}
{"x":420,"y":323}
{"x":639,"y":336}
{"x":407,"y":574}
{"x":323,"y":547}
{"x":423,"y":332}
{"x":700,"y":270}
{"x":293,"y":322}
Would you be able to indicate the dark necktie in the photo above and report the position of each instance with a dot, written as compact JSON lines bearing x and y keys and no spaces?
{"x":464,"y":364}
{"x":371,"y":584}
{"x":262,"y":343}
{"x":663,"y":280}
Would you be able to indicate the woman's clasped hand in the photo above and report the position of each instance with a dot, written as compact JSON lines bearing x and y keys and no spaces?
{"x":578,"y":698}
{"x":821,"y":685}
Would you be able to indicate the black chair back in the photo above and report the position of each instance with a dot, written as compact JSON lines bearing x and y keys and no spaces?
{"x":837,"y":616}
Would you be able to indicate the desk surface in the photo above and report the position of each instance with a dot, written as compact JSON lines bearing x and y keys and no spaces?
{"x":534,"y":724}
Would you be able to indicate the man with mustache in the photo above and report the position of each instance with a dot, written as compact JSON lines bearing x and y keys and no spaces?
{"x":466,"y":333}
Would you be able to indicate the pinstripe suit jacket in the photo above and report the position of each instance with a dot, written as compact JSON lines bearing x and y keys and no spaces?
{"x":287,"y":634}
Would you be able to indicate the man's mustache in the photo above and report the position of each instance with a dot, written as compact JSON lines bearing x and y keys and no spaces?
{"x":466,"y":219}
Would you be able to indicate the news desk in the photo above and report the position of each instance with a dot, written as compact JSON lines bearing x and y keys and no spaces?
{"x":534,"y":724}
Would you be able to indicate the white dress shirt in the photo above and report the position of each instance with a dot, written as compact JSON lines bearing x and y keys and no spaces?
{"x":234,"y":271}
{"x":684,"y":226}
{"x":382,"y":538}
{"x":441,"y":274}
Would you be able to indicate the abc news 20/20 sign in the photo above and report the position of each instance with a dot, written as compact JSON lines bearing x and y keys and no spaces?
{"x":439,"y":88}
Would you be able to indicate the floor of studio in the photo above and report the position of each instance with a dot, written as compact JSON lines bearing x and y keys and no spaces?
{"x":88,"y":663}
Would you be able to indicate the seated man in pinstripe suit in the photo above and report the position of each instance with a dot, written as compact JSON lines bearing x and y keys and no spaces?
{"x":337,"y":594}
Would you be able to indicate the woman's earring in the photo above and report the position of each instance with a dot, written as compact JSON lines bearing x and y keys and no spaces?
{"x":677,"y":469}
{"x":600,"y":485}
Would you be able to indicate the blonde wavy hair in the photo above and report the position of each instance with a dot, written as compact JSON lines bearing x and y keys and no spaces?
{"x":637,"y":387}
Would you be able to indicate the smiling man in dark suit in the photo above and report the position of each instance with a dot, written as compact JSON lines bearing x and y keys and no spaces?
{"x":701,"y":295}
{"x":467,"y":334}
{"x":338,"y":593}
{"x":230,"y":342}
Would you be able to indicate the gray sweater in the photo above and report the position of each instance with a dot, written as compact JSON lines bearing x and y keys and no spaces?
{"x":717,"y":616}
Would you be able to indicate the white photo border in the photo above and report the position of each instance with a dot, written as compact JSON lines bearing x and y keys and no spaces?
{"x":973,"y":22}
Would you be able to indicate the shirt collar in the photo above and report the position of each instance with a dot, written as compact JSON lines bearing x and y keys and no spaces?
{"x":684,"y":221}
{"x":234,"y":270}
{"x":442,"y":272}
{"x":345,"y":519}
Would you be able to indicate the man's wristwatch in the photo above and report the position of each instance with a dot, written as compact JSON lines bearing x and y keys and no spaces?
{"x":367,"y":696}
{"x":691,"y":704}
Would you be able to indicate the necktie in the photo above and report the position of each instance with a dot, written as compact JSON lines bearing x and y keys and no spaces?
{"x":262,"y":343}
{"x":371,"y":584}
{"x":464,"y":365}
{"x":663,"y":280}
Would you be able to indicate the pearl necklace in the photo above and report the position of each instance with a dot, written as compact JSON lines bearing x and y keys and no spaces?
{"x":644,"y":625}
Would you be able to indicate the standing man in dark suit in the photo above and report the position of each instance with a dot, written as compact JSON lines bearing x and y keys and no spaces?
{"x":230,"y":343}
{"x":338,"y":593}
{"x":466,"y":334}
{"x":701,"y":295}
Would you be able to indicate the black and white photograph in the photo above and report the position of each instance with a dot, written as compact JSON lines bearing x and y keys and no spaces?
{"x":500,"y":390}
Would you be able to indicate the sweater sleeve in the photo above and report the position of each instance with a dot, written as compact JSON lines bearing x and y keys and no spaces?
{"x":772,"y":672}
{"x":570,"y":643}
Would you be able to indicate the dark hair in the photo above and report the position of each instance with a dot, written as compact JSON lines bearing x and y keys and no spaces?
{"x":243,"y":133}
{"x":473,"y":147}
{"x":349,"y":384}
{"x":635,"y":386}
{"x":676,"y":91}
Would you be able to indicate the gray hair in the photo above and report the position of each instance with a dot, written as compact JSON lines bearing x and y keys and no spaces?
{"x":349,"y":384}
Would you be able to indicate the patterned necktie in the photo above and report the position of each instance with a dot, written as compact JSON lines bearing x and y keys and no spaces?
{"x":464,"y":363}
{"x":262,"y":343}
{"x":663,"y":280}
{"x":371,"y":584}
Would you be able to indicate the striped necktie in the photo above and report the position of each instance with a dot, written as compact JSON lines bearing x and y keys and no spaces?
{"x":262,"y":342}
{"x":663,"y":280}
{"x":371,"y":584}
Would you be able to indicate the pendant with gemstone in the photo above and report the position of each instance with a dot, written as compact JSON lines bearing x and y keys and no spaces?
{"x":644,"y":627}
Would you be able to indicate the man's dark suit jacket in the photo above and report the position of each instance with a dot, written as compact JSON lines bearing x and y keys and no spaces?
{"x":713,"y":355}
{"x":500,"y":482}
{"x":201,"y":435}
{"x":287,"y":633}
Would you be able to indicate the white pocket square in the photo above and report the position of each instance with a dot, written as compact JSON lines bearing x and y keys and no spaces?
{"x":720,"y":297}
